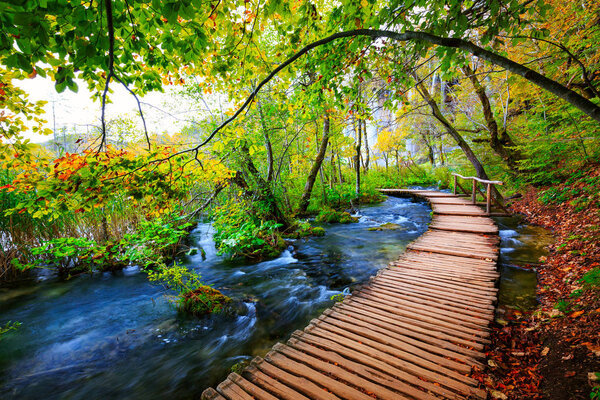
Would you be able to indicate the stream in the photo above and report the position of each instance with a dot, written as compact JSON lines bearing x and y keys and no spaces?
{"x":115,"y":335}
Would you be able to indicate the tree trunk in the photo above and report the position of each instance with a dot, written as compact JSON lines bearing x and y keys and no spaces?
{"x":268,"y":145}
{"x":310,"y":180}
{"x":260,"y":190}
{"x":479,"y":170}
{"x":500,"y":142}
{"x":357,"y":159}
{"x":366,"y":145}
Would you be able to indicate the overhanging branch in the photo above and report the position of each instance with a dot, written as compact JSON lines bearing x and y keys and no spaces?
{"x":572,"y":97}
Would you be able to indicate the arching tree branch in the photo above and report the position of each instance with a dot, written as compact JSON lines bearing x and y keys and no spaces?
{"x":572,"y":97}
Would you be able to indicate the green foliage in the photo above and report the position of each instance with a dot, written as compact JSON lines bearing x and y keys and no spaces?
{"x":240,"y":233}
{"x":9,"y":326}
{"x":338,"y":297}
{"x":193,"y":296}
{"x":304,"y":229}
{"x":591,"y":279}
{"x":331,"y":216}
{"x":155,"y":241}
{"x":595,"y":392}
{"x":579,"y":190}
{"x":564,"y":306}
{"x":69,"y":256}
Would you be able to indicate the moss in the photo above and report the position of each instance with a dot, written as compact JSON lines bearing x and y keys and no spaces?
{"x":318,"y":231}
{"x":304,"y":229}
{"x":332,"y":216}
{"x":204,"y":300}
{"x":385,"y":227}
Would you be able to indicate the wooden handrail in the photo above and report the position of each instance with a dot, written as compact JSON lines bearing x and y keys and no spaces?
{"x":488,"y":192}
{"x":479,"y":180}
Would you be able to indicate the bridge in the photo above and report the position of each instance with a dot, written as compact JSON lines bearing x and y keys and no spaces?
{"x":415,"y":331}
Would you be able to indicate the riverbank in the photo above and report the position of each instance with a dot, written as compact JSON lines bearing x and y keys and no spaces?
{"x":554,"y":352}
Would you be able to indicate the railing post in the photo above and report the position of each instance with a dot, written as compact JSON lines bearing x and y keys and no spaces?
{"x":474,"y":194}
{"x":455,"y":179}
{"x":488,"y":193}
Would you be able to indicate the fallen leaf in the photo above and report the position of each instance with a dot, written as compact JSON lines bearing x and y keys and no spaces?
{"x":569,"y":374}
{"x":545,"y":351}
{"x":498,"y":395}
{"x":577,"y":314}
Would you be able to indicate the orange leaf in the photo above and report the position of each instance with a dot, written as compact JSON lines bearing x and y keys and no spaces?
{"x":576,"y":314}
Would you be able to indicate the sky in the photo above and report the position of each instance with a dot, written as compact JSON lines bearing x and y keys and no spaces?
{"x":78,"y":111}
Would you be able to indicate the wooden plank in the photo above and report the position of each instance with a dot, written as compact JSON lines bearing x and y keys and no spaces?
{"x":344,"y":391}
{"x":272,"y":385}
{"x":381,"y":335}
{"x":251,"y":388}
{"x":371,"y":374}
{"x":423,"y":314}
{"x":426,"y":322}
{"x":453,"y":310}
{"x":443,"y":302}
{"x":371,"y":349}
{"x":338,"y":372}
{"x":444,"y":288}
{"x":232,"y":391}
{"x":467,"y":285}
{"x":299,"y":383}
{"x":437,"y":336}
{"x":423,"y":309}
{"x":366,"y":359}
{"x":453,"y":252}
{"x":431,"y":344}
{"x":211,"y":394}
{"x":434,"y":292}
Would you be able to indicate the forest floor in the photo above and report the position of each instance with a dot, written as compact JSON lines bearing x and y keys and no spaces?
{"x":554,"y":351}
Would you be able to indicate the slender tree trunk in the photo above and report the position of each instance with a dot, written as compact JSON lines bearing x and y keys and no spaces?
{"x":339,"y":164}
{"x":268,"y":145}
{"x":357,"y":159}
{"x":310,"y":180}
{"x":331,"y":181}
{"x":479,"y":170}
{"x":366,"y":145}
{"x":500,"y":141}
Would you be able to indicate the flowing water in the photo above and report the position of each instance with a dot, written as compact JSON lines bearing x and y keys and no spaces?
{"x":115,"y":335}
{"x":521,"y":247}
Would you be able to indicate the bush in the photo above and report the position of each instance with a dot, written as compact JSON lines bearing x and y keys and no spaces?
{"x":193,"y":296}
{"x":240,"y":234}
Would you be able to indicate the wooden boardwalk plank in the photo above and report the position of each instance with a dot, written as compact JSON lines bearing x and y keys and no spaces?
{"x":413,"y":332}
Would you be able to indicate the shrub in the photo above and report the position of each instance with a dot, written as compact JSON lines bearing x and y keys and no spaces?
{"x":193,"y":296}
{"x":240,"y":234}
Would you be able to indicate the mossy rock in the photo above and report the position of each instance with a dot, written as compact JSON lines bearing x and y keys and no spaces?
{"x":388,"y":226}
{"x":333,"y":216}
{"x":202,"y":301}
{"x":305,"y":230}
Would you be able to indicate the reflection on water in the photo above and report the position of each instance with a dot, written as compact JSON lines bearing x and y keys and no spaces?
{"x":521,"y":248}
{"x":115,"y":335}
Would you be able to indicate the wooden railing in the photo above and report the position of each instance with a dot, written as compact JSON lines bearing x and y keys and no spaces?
{"x":475,"y":190}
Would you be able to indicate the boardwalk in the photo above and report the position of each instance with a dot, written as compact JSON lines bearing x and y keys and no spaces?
{"x":413,"y":332}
